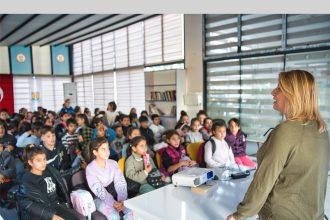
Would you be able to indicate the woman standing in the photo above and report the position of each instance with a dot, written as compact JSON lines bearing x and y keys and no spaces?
{"x":293,"y":163}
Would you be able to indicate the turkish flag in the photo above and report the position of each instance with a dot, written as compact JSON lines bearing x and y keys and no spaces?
{"x":7,"y":93}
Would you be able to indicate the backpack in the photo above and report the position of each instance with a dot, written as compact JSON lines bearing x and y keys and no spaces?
{"x":201,"y":152}
{"x":83,"y":202}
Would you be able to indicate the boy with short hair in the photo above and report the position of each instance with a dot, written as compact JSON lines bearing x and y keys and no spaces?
{"x":156,"y":127}
{"x":60,"y":128}
{"x":30,"y":137}
{"x":146,"y":131}
{"x":118,"y":142}
{"x":223,"y":155}
{"x":56,"y":154}
{"x":70,"y":140}
{"x":125,"y":123}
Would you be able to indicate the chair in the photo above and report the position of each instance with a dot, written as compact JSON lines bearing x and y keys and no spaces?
{"x":192,"y":150}
{"x":121,"y":163}
{"x":158,"y":159}
{"x":79,"y":178}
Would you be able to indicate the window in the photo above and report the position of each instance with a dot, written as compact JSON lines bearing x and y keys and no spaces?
{"x":87,"y":56}
{"x":77,"y":59}
{"x":121,"y":51}
{"x":50,"y":89}
{"x":308,"y":29}
{"x":103,"y":89}
{"x":239,"y":85}
{"x":119,"y":57}
{"x":153,"y":40}
{"x":130,"y":90}
{"x":108,"y":51}
{"x":97,"y":54}
{"x":173,"y":37}
{"x":136,"y":43}
{"x":261,"y":32}
{"x":85,"y":92}
{"x":22,"y":92}
{"x":220,"y":34}
{"x":317,"y":63}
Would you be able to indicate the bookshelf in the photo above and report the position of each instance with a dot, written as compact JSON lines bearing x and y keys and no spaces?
{"x":164,"y":95}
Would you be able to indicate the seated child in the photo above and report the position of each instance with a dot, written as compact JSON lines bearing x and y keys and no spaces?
{"x":237,"y":139}
{"x":206,"y":130}
{"x":125,"y":123}
{"x":71,"y":143}
{"x":31,"y":137}
{"x":56,"y":153}
{"x":131,"y":133}
{"x":134,"y":120}
{"x":222,"y":156}
{"x":118,"y":142}
{"x":84,"y":136}
{"x":146,"y":131}
{"x":136,"y":168}
{"x":7,"y":168}
{"x":183,"y":131}
{"x":43,"y":194}
{"x":103,"y":174}
{"x":194,"y":135}
{"x":156,"y":127}
{"x":174,"y":157}
{"x":184,"y":120}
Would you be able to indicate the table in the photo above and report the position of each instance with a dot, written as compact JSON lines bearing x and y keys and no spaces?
{"x":179,"y":203}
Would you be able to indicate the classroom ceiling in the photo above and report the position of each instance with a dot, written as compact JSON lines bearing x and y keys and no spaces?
{"x":56,"y":29}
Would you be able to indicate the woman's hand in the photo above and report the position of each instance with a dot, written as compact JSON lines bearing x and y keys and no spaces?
{"x":230,"y":217}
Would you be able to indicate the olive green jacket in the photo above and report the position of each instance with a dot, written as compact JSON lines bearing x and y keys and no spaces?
{"x":134,"y":168}
{"x":291,"y":180}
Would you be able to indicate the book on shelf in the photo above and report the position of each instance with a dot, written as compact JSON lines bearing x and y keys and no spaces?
{"x":168,"y":95}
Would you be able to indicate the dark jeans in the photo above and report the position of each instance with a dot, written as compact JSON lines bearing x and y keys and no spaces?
{"x":66,"y":213}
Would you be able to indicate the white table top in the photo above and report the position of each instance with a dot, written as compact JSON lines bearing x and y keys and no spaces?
{"x":173,"y":203}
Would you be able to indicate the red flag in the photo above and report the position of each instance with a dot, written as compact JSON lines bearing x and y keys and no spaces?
{"x":6,"y":93}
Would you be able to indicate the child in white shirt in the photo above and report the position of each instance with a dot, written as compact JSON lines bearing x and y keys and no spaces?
{"x":223,"y":155}
{"x":194,"y":135}
{"x":156,"y":127}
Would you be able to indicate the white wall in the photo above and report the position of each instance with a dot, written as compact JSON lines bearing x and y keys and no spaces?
{"x":194,"y":59}
{"x":41,"y":60}
{"x":4,"y":60}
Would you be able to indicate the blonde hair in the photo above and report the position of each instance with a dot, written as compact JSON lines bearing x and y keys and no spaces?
{"x":299,"y":88}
